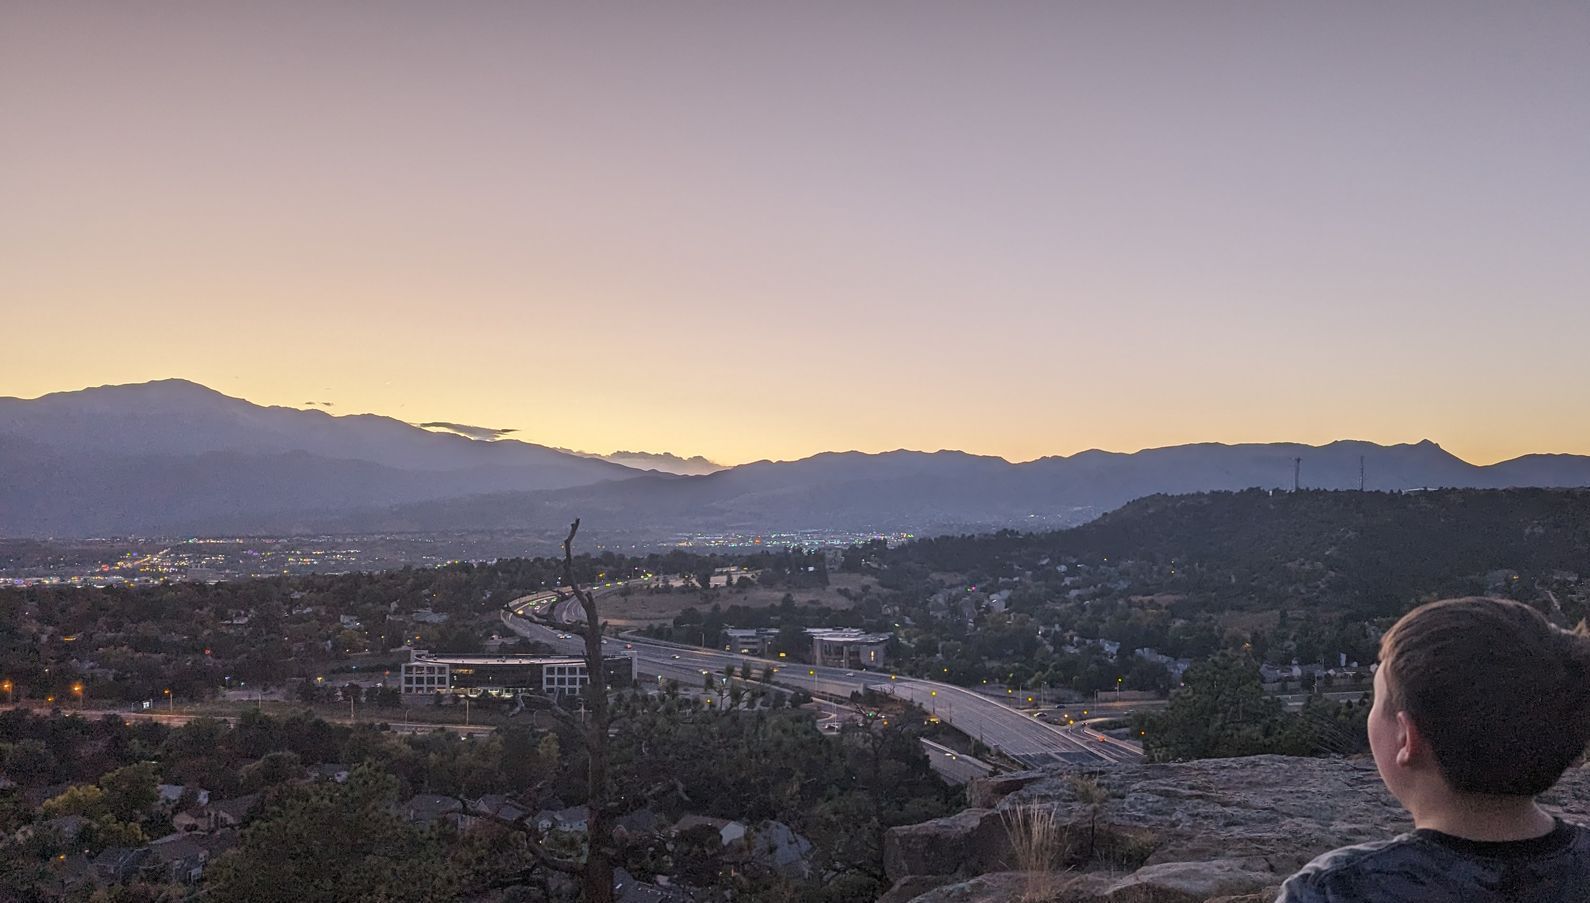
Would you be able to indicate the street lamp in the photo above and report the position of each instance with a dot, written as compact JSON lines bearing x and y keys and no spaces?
{"x":77,"y":690}
{"x":171,"y":703}
{"x":10,"y":689}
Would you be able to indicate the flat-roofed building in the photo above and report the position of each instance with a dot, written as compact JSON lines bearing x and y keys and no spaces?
{"x":848,"y":647}
{"x":427,"y":673}
{"x":748,"y":640}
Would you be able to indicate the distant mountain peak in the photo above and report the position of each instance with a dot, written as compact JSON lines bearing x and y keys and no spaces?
{"x":171,"y":387}
{"x":665,"y":462}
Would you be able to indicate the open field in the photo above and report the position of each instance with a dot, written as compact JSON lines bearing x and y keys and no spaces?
{"x":641,"y":608}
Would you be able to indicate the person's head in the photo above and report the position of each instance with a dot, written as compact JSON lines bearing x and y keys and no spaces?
{"x":1479,"y":696}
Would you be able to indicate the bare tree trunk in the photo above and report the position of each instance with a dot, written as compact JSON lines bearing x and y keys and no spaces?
{"x":598,"y":871}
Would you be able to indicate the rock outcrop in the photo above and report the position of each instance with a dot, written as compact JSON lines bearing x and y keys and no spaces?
{"x":1219,"y":829}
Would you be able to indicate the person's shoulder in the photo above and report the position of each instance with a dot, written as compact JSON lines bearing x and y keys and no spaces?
{"x":1348,"y":873}
{"x":1579,"y":845}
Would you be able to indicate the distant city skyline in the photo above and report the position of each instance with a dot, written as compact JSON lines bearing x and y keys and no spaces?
{"x":762,"y":232}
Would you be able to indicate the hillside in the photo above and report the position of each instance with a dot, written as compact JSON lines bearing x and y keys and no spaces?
{"x":173,"y":457}
{"x":1364,"y":554}
{"x":950,"y":492}
{"x":176,"y":456}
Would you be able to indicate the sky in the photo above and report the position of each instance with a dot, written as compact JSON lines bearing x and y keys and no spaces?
{"x":760,"y":230}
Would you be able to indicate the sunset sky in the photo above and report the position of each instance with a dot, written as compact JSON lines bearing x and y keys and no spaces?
{"x":766,"y":230}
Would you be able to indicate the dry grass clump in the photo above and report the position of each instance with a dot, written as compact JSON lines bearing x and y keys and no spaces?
{"x":1039,"y":845}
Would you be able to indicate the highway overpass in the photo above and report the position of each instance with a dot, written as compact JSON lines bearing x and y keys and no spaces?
{"x":1013,"y":733}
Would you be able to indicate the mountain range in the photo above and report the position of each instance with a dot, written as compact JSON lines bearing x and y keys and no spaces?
{"x":666,"y":462}
{"x":176,"y":458}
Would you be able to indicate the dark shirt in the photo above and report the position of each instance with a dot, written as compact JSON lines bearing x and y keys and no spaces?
{"x":1426,"y":866}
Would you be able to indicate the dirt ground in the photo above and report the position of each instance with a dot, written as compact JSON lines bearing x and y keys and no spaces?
{"x":641,"y":608}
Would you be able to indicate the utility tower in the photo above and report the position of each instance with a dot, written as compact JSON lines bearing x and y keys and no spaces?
{"x":1297,"y":474}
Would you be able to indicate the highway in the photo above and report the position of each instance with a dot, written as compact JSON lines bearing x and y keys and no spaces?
{"x":1015,"y":734}
{"x":954,"y":767}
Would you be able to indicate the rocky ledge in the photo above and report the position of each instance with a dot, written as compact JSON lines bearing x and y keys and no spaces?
{"x":1219,"y":829}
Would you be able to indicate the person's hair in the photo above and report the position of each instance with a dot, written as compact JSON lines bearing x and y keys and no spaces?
{"x":1501,"y":694}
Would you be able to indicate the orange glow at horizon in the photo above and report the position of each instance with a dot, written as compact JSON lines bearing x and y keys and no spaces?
{"x":763,"y":233}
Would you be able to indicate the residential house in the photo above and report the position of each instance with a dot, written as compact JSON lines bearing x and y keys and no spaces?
{"x":626,"y":889}
{"x":198,"y":818}
{"x":691,"y":822}
{"x":777,"y":846}
{"x":640,"y":823}
{"x":175,"y":857}
{"x":732,"y":833}
{"x":171,"y":795}
{"x":495,"y":807}
{"x":115,"y":865}
{"x":217,"y":842}
{"x":998,"y":601}
{"x":233,"y":812}
{"x":335,"y":772}
{"x":571,"y":820}
{"x":729,"y":832}
{"x":429,"y":809}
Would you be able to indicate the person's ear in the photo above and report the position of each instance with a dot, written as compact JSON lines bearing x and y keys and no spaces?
{"x":1410,"y":743}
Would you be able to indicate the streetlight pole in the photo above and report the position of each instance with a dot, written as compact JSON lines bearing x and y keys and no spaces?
{"x":10,"y":688}
{"x":77,"y":690}
{"x":171,"y":703}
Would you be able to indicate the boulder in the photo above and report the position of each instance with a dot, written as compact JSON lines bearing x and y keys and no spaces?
{"x":1182,"y":884}
{"x":913,"y":886}
{"x":967,"y":842}
{"x":1188,"y":882}
{"x":1267,"y":895}
{"x":985,"y":793}
{"x":1004,"y":887}
{"x":1173,"y":833}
